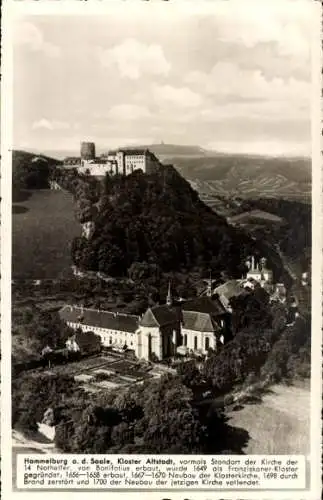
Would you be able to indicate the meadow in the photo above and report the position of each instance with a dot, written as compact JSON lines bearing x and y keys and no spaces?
{"x":43,"y":227}
{"x":280,"y":424}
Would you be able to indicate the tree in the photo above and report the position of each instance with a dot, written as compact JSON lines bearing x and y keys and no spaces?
{"x":191,"y":377}
{"x":250,"y":310}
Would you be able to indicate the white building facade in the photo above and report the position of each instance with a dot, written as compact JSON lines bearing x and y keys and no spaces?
{"x":119,"y":162}
{"x":160,"y":333}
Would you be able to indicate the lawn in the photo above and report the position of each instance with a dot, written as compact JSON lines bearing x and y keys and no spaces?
{"x":43,"y":226}
{"x":280,"y":424}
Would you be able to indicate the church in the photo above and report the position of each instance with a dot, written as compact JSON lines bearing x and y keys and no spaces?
{"x":188,"y":327}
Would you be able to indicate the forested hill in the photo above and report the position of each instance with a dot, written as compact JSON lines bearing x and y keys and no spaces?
{"x":30,"y":171}
{"x":159,"y":220}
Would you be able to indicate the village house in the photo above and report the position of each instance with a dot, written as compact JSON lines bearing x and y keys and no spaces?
{"x":259,"y":272}
{"x":226,"y":291}
{"x":84,"y":342}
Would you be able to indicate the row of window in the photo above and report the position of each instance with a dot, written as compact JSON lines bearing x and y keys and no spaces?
{"x":135,"y":157}
{"x":106,"y":337}
{"x":206,"y":342}
{"x":113,"y":341}
{"x":109,"y":332}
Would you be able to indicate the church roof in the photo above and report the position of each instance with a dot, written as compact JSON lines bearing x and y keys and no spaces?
{"x":100,"y":319}
{"x":200,"y":322}
{"x":204,"y":305}
{"x":159,"y":316}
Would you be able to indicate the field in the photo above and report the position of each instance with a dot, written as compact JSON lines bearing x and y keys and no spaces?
{"x":247,"y":177}
{"x":43,"y":227}
{"x":280,"y":424}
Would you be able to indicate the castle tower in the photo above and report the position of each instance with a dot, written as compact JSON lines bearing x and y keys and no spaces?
{"x":87,"y":150}
{"x":169,"y":299}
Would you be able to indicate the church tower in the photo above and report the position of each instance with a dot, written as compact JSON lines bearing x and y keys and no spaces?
{"x":169,"y":299}
{"x":209,"y":286}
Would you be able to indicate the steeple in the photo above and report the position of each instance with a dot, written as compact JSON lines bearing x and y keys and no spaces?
{"x":209,"y":286}
{"x":169,"y":299}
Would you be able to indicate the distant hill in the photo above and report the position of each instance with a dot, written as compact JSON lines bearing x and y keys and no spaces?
{"x":175,"y":150}
{"x":18,"y":156}
{"x":236,"y":175}
{"x":212,"y":173}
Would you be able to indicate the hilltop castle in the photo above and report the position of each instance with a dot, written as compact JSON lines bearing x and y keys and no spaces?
{"x":123,"y":161}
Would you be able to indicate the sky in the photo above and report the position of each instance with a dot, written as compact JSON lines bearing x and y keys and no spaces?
{"x":231,"y":79}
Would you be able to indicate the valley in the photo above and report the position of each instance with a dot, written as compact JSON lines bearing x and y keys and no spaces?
{"x":230,"y":176}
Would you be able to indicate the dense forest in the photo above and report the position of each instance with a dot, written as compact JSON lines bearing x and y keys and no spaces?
{"x":158,"y":417}
{"x":264,"y":345}
{"x":157,"y":220}
{"x":295,"y":236}
{"x":34,"y":329}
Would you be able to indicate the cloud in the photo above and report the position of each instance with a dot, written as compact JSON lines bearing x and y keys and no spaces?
{"x":286,"y":26}
{"x":228,"y":79}
{"x":134,"y":59}
{"x":45,"y":124}
{"x":128,"y":112}
{"x":235,"y":75}
{"x":28,"y":35}
{"x":261,"y":112}
{"x":181,"y":97}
